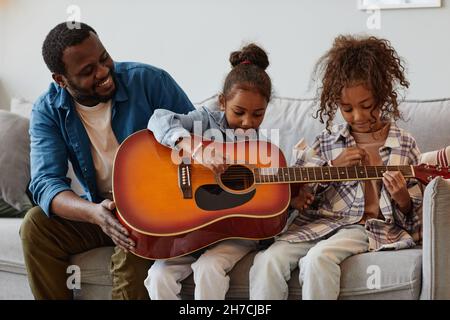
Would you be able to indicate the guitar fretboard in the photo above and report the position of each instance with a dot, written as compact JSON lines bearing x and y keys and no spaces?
{"x":326,"y":174}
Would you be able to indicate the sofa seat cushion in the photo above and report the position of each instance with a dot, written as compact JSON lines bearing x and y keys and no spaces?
{"x":400,"y":277}
{"x":11,"y":257}
{"x":400,"y":271}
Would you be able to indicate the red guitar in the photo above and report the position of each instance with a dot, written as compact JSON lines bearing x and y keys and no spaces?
{"x":171,"y":210}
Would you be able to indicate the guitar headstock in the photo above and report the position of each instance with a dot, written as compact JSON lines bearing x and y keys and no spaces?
{"x":425,"y":172}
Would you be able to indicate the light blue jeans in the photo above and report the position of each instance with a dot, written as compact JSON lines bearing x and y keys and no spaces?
{"x":318,"y":262}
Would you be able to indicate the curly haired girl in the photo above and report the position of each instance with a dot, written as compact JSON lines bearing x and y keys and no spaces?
{"x":360,"y":77}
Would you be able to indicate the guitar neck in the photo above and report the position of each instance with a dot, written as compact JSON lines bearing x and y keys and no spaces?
{"x":326,"y":173}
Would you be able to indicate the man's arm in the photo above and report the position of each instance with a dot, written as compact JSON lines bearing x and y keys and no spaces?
{"x":51,"y":188}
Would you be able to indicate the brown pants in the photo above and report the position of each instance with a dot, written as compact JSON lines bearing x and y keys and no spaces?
{"x":49,"y":243}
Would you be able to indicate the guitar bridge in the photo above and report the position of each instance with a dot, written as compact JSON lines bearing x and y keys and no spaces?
{"x":184,"y":179}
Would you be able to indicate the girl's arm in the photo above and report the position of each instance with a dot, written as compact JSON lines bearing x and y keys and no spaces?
{"x":170,"y":127}
{"x":174,"y":130}
{"x":411,"y":220}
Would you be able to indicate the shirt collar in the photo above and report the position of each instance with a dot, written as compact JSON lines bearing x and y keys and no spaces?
{"x":342,"y":133}
{"x":392,"y":140}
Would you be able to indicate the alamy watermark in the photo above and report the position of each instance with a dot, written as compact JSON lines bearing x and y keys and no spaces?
{"x":74,"y":18}
{"x":374,"y":20}
{"x":73,"y":281}
{"x":374,"y":279}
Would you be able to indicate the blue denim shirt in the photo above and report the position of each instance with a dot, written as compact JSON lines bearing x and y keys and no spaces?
{"x":57,"y":134}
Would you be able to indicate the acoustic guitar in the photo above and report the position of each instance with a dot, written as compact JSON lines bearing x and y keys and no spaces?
{"x":172,"y":209}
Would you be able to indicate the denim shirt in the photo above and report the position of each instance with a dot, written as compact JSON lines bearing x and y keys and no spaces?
{"x":57,"y":134}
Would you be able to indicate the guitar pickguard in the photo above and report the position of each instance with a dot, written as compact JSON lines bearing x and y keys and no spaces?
{"x":212,"y":197}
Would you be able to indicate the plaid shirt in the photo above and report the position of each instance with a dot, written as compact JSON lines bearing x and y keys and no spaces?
{"x":342,"y":203}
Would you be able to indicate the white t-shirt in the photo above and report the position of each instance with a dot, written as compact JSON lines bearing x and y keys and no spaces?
{"x":104,"y":145}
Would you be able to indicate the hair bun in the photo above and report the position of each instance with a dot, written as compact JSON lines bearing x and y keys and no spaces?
{"x":248,"y":55}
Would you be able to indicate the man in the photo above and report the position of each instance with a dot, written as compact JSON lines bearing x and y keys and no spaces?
{"x":92,"y":106}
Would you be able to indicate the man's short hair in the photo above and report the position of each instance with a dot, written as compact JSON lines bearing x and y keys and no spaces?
{"x":62,"y":36}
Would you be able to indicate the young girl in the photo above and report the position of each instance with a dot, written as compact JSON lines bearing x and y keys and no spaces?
{"x":246,"y":93}
{"x":360,"y":77}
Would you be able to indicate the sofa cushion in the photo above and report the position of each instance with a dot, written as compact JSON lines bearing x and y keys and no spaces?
{"x":427,"y":120}
{"x":436,"y":240}
{"x":286,"y":121}
{"x":7,"y":211}
{"x":21,"y":107}
{"x":294,"y":118}
{"x":400,"y":277}
{"x":11,"y":258}
{"x":14,"y":160}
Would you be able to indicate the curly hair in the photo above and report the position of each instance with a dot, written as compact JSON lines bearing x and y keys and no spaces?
{"x":351,"y":61}
{"x":248,"y":73}
{"x":60,"y":38}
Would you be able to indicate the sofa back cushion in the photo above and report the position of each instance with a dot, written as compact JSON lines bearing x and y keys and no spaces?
{"x":426,"y":120}
{"x":14,"y":160}
{"x":23,"y":107}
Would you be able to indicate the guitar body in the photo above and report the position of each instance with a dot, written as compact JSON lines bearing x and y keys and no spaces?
{"x":164,"y":223}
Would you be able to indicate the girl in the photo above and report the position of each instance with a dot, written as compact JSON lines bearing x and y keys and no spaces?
{"x":246,"y":93}
{"x":360,"y":78}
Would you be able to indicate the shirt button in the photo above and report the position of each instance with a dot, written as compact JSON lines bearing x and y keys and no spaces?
{"x":85,"y":169}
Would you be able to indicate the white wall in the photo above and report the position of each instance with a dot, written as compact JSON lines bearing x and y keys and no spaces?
{"x":192,"y":39}
{"x":3,"y":94}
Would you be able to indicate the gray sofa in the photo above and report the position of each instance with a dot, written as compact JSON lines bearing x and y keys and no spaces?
{"x":419,"y":273}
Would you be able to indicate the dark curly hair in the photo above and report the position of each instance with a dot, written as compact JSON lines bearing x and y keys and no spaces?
{"x":352,"y":60}
{"x":248,"y":73}
{"x":58,"y":39}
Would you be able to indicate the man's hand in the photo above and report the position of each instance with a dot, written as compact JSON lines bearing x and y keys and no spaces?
{"x":352,"y":156}
{"x":111,"y":226}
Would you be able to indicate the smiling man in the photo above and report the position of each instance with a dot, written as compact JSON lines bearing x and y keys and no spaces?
{"x":93,"y":104}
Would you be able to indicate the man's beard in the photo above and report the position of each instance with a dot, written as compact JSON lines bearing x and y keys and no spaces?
{"x":90,"y":100}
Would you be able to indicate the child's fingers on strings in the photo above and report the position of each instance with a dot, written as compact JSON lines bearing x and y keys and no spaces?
{"x":391,"y":182}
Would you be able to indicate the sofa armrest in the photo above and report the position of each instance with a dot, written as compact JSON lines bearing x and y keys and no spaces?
{"x":436,"y":240}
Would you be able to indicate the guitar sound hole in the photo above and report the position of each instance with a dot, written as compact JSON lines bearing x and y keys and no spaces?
{"x":237,"y":177}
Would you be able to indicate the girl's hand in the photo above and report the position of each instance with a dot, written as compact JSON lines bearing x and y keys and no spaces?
{"x":209,"y":156}
{"x":395,"y":184}
{"x":303,"y":200}
{"x":212,"y":158}
{"x":352,"y":156}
